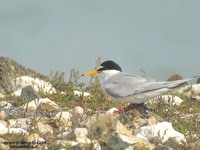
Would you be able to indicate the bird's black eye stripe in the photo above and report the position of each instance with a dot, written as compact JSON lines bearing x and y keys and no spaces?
{"x":101,"y":69}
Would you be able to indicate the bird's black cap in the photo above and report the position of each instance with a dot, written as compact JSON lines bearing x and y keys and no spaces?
{"x":109,"y":65}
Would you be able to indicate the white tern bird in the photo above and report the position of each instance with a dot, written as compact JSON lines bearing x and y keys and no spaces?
{"x":127,"y":88}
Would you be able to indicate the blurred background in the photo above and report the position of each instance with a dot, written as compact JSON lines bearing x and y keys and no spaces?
{"x":160,"y":37}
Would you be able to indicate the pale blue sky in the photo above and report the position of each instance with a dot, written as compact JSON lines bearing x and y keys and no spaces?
{"x":159,"y":36}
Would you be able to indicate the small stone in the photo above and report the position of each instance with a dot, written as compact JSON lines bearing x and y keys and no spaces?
{"x":4,"y":104}
{"x":38,"y":84}
{"x":65,"y":143}
{"x":28,"y":94}
{"x":3,"y":129}
{"x":90,"y":120}
{"x":3,"y":115}
{"x":78,"y":93}
{"x":6,"y":130}
{"x":20,"y":122}
{"x":196,"y":97}
{"x":4,"y":123}
{"x":81,"y":136}
{"x":17,"y":131}
{"x":63,"y":135}
{"x":2,"y":95}
{"x":120,"y":141}
{"x":43,"y":103}
{"x":185,"y":90}
{"x":81,"y":132}
{"x":196,"y":88}
{"x":18,"y":112}
{"x":33,"y":138}
{"x":162,"y":131}
{"x":63,"y":118}
{"x":3,"y":144}
{"x":44,"y":128}
{"x":96,"y":145}
{"x":79,"y":110}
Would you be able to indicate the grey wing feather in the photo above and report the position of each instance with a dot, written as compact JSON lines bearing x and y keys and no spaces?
{"x":123,"y":84}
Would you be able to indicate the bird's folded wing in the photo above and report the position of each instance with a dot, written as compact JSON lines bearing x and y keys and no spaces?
{"x":121,"y":85}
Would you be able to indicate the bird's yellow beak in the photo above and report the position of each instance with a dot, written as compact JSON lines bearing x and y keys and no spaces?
{"x":91,"y":73}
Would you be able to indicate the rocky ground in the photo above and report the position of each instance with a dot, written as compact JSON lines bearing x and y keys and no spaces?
{"x":42,"y":112}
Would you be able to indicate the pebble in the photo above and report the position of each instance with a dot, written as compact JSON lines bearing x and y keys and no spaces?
{"x":38,"y":85}
{"x":4,"y":104}
{"x":63,"y":118}
{"x":162,"y":131}
{"x":43,"y":104}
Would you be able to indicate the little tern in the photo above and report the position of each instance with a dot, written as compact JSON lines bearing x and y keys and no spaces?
{"x":127,"y":88}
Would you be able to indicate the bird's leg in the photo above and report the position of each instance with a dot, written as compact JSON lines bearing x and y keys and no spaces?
{"x":125,"y":107}
{"x":141,"y":108}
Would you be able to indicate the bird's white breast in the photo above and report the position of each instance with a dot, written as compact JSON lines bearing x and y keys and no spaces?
{"x":105,"y":75}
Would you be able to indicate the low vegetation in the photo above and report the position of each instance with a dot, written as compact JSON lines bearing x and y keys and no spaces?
{"x":185,"y":118}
